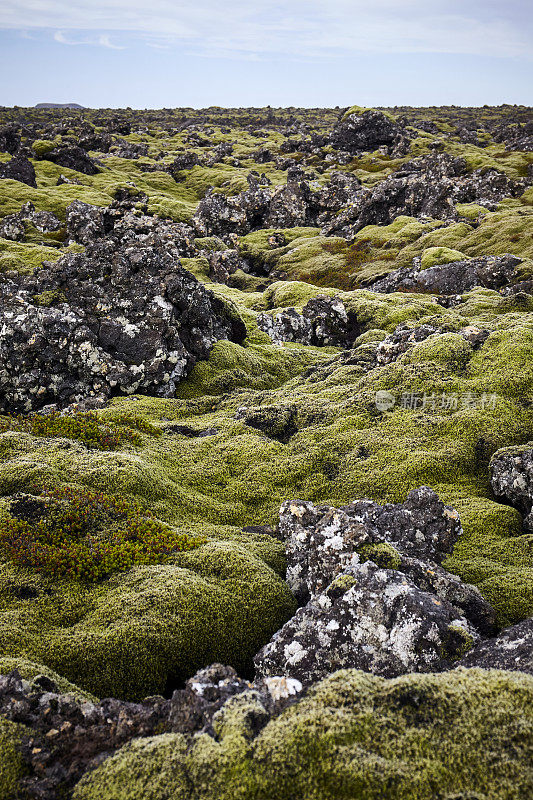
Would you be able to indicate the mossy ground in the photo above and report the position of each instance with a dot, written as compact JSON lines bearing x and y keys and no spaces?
{"x":463,"y":734}
{"x":146,"y":630}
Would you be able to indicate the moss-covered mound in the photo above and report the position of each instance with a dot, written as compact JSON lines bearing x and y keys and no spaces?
{"x":465,"y":734}
{"x":144,"y":631}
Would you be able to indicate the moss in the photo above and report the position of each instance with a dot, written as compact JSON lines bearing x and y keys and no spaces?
{"x":470,"y":211}
{"x":450,"y":350}
{"x":353,"y":735}
{"x":41,"y":147}
{"x":25,"y":257}
{"x":49,"y":298}
{"x":359,"y":110}
{"x":382,"y":554}
{"x":433,"y":256}
{"x":11,"y":762}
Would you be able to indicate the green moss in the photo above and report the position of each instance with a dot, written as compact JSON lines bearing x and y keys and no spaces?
{"x":85,"y":427}
{"x":354,"y":735}
{"x":25,"y":257}
{"x":11,"y":762}
{"x":359,"y":110}
{"x":49,"y":298}
{"x":471,"y":211}
{"x":42,"y":147}
{"x":433,"y":256}
{"x":450,"y":350}
{"x":152,"y":627}
{"x":382,"y":554}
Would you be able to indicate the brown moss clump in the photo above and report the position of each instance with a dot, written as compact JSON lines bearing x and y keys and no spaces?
{"x":86,"y":427}
{"x":85,"y":535}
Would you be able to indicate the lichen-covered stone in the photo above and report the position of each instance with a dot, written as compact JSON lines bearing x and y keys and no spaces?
{"x":130,"y":319}
{"x":322,"y":542}
{"x":511,"y":650}
{"x":372,"y":619}
{"x":512,"y":479}
{"x":491,"y":272}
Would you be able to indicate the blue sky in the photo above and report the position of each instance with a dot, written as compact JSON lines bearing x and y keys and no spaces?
{"x":238,"y":53}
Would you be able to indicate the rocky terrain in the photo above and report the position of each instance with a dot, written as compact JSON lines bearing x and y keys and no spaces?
{"x":266,"y":454}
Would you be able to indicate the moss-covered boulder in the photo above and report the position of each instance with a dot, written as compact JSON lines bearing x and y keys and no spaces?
{"x":433,"y":256}
{"x":464,"y":734}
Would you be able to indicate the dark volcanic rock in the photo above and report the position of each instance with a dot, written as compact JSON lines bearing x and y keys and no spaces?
{"x":320,"y":542}
{"x":73,"y":157}
{"x":399,"y":611}
{"x":364,"y":131}
{"x":186,"y":160}
{"x":218,"y":215}
{"x":67,"y":736}
{"x":13,"y":226}
{"x":9,"y":138}
{"x":425,"y":187}
{"x":324,"y":321}
{"x":122,"y":317}
{"x":491,"y":272}
{"x":511,"y":478}
{"x":512,"y":649}
{"x":85,"y":223}
{"x":372,"y":619}
{"x":131,"y":150}
{"x":20,"y":169}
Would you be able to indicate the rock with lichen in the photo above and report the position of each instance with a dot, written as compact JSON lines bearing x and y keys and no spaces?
{"x":129,"y":319}
{"x":511,"y":478}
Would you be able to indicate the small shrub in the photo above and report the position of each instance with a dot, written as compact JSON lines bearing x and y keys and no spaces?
{"x":85,"y":535}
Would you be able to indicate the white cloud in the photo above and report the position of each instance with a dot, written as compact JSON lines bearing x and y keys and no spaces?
{"x":102,"y":40}
{"x":303,"y":28}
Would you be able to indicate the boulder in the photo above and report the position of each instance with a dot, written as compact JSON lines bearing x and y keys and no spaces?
{"x":119,"y":318}
{"x":511,"y":650}
{"x":20,"y":169}
{"x":491,"y":272}
{"x":511,"y":479}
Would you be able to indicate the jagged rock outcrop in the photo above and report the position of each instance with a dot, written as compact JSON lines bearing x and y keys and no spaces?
{"x":20,"y":169}
{"x":376,"y":597}
{"x":512,"y":650}
{"x":491,"y":272}
{"x":67,"y":734}
{"x":429,"y":186}
{"x":511,"y":479}
{"x":72,"y":157}
{"x":13,"y":226}
{"x":124,"y":316}
{"x":364,"y":130}
{"x":324,"y":321}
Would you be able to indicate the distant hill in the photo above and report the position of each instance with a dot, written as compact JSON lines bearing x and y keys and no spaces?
{"x":58,"y":105}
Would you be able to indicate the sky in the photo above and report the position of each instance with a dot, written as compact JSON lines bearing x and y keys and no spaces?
{"x":311,"y":53}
